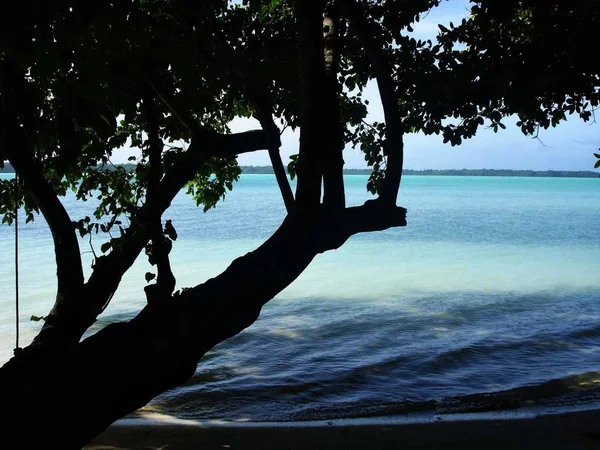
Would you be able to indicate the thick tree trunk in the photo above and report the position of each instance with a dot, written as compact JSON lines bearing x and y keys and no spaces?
{"x":63,"y":398}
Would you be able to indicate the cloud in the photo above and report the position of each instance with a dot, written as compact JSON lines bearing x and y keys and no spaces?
{"x":450,"y":11}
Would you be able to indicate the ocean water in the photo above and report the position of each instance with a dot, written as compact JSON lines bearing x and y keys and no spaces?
{"x":489,"y":299}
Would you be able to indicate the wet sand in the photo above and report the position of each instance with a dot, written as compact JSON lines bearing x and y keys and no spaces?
{"x":574,"y":430}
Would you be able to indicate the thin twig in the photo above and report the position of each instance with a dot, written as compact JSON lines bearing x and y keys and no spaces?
{"x":91,"y":246}
{"x":368,"y":124}
{"x":537,"y":136}
{"x":283,"y":128}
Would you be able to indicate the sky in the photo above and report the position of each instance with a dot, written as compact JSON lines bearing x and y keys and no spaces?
{"x":570,"y":146}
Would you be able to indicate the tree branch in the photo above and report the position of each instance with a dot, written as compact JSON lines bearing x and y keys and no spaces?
{"x":394,"y":146}
{"x":235,"y":143}
{"x":264,"y":115}
{"x":216,"y":144}
{"x":374,"y":215}
{"x":109,"y":269}
{"x":69,"y":270}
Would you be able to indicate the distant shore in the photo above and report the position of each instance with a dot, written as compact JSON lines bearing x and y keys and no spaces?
{"x":266,"y":170}
{"x":458,"y":172}
{"x":574,"y":430}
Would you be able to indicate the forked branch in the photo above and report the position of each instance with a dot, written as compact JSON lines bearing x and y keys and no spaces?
{"x":109,"y":269}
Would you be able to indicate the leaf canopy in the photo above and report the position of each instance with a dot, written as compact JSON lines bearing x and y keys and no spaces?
{"x":75,"y":76}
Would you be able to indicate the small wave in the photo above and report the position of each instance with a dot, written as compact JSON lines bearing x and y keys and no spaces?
{"x":461,"y":353}
{"x":590,"y":332}
{"x":574,"y":389}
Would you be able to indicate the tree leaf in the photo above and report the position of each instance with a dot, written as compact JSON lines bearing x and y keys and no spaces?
{"x":34,"y":318}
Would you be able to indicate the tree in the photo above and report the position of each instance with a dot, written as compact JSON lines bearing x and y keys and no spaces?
{"x":79,"y":80}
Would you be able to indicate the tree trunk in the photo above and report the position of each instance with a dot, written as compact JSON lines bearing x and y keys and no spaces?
{"x":62,"y":398}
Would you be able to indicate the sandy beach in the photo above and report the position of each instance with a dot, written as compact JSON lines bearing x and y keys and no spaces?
{"x":574,"y":430}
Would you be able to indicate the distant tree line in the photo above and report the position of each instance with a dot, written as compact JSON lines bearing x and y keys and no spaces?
{"x":506,"y":173}
{"x":457,"y":172}
{"x":447,"y":172}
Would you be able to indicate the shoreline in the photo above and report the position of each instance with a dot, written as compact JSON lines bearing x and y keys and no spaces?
{"x":502,"y":430}
{"x":495,"y":173}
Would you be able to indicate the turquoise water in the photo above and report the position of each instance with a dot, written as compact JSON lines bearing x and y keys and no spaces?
{"x":490,"y":298}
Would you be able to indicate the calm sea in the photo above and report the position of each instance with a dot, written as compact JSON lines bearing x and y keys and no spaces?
{"x":489,"y":299}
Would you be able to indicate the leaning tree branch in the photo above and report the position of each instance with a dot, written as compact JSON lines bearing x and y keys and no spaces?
{"x":231,"y":145}
{"x":214,"y":143}
{"x":264,"y":114}
{"x":367,"y":30}
{"x":207,"y":145}
{"x":109,"y":269}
